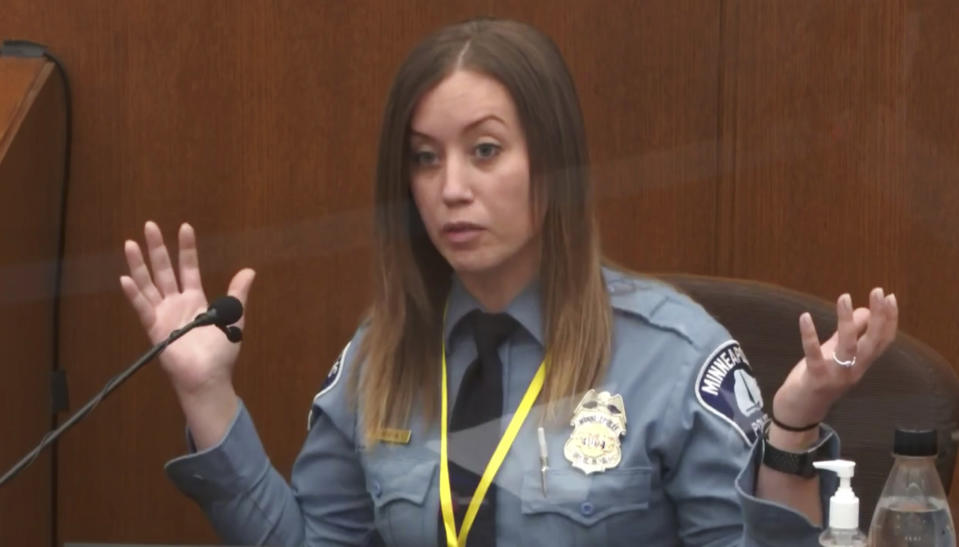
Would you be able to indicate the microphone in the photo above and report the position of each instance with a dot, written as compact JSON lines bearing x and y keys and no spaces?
{"x":222,"y":312}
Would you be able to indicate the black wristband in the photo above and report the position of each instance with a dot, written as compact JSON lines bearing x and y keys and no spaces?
{"x":791,"y":427}
{"x":792,"y":463}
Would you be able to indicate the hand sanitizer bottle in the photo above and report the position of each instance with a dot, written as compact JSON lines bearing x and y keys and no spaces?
{"x":843,"y":508}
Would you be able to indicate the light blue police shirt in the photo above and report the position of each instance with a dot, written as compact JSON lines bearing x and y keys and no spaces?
{"x":687,"y":468}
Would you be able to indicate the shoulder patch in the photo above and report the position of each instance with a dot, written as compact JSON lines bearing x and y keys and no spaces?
{"x":727,"y":388}
{"x":331,"y":379}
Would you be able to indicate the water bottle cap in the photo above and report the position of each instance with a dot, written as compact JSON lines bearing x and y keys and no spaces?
{"x":915,"y":442}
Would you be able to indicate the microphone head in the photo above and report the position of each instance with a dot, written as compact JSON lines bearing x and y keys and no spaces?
{"x":228,"y":310}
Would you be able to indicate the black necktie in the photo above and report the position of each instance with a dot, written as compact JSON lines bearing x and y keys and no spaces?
{"x":478,"y":408}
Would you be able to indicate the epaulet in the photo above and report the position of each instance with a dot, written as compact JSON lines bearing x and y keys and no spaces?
{"x":658,"y":304}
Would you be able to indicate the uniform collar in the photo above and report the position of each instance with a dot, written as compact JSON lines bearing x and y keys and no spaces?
{"x":526,"y":309}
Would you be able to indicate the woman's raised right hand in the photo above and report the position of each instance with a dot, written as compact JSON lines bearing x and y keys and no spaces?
{"x":201,"y":362}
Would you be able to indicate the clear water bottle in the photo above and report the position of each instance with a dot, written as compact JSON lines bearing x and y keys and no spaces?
{"x":912,"y":510}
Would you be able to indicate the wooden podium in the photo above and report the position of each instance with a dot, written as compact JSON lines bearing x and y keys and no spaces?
{"x":32,"y":133}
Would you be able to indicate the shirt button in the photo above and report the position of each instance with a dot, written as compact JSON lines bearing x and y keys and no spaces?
{"x":586,"y":508}
{"x":377,"y":489}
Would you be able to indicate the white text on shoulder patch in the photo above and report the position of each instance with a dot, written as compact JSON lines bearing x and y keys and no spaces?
{"x":727,"y":388}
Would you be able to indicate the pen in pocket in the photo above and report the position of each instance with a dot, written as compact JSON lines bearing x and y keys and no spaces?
{"x":543,"y":458}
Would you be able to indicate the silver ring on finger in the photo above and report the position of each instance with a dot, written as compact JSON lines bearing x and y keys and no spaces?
{"x":844,"y":364}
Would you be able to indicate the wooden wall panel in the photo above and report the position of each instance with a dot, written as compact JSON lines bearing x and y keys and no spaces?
{"x":816,"y":164}
{"x":257,"y":122}
{"x":804,"y":143}
{"x":931,"y":179}
{"x":929,"y":256}
{"x":839,"y":140}
{"x":648,"y":80}
{"x":839,"y":153}
{"x":31,"y":167}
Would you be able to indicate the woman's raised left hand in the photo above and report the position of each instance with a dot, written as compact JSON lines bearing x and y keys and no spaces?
{"x":831,"y":368}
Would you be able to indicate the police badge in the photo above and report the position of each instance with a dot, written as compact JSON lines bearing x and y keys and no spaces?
{"x":598,"y":423}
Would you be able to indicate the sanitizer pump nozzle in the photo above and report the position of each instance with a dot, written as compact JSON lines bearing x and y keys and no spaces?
{"x":843,"y":507}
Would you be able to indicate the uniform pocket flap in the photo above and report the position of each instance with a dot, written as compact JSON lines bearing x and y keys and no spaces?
{"x":587,"y":499}
{"x":400,"y":480}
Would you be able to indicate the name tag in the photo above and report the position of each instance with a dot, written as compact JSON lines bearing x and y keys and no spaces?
{"x":394,"y":436}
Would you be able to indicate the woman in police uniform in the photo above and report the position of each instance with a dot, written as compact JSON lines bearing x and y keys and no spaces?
{"x":506,"y":388}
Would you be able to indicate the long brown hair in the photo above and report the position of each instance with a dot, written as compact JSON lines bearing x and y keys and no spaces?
{"x":400,"y":353}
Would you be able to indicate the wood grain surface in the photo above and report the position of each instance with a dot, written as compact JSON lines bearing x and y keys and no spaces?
{"x":806,"y":143}
{"x":31,"y":166}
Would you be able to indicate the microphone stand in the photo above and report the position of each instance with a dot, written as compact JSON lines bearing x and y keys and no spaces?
{"x":52,"y":436}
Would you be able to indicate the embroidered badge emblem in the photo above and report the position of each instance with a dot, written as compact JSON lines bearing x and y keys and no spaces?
{"x":598,"y":423}
{"x":727,"y":388}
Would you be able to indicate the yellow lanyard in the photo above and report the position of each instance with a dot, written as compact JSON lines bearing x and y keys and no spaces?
{"x":505,"y":442}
